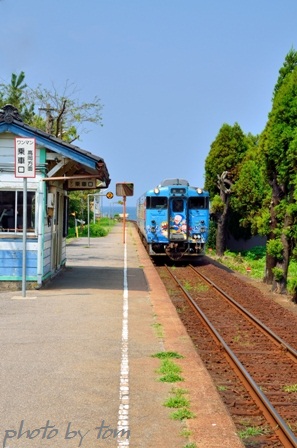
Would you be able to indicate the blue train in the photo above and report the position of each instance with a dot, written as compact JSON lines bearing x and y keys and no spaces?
{"x":173,"y":219}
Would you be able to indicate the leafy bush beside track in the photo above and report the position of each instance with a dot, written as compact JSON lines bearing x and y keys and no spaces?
{"x":252,"y":263}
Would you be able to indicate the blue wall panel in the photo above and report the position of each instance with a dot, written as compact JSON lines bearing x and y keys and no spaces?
{"x":11,"y":264}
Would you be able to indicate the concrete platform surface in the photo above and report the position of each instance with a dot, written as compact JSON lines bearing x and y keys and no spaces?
{"x":76,"y":364}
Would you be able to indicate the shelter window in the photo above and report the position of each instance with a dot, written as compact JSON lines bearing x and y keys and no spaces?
{"x":198,"y":202}
{"x":11,"y":211}
{"x":159,"y":202}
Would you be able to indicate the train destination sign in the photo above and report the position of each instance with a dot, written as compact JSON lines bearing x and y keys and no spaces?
{"x":125,"y":189}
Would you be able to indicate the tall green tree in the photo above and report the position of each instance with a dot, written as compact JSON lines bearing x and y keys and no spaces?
{"x":252,"y":193}
{"x":222,"y":167}
{"x":278,"y":144}
{"x":288,"y":67}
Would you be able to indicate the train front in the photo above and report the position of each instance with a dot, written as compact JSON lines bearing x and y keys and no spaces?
{"x":176,"y":220}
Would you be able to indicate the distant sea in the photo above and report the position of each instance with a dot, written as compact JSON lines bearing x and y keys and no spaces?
{"x":112,"y":210}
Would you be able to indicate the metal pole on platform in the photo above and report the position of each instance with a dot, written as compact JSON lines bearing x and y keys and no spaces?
{"x":24,"y":236}
{"x":89,"y":220}
{"x":124,"y":219}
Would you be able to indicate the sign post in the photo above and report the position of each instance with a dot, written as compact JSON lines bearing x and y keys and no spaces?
{"x":124,"y":189}
{"x":25,"y":166}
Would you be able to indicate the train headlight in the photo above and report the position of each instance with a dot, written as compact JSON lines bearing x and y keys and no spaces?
{"x":156,"y":190}
{"x":199,"y":190}
{"x":196,"y":236}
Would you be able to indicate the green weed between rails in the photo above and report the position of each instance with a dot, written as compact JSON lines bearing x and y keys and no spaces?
{"x":251,"y":431}
{"x":222,"y":388}
{"x":187,"y":286}
{"x":290,"y":388}
{"x":201,"y":288}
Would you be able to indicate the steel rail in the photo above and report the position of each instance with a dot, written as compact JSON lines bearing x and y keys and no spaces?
{"x":281,"y":429}
{"x":288,"y":349}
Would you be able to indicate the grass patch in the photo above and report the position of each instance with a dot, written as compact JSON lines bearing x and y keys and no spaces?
{"x":167,"y":355}
{"x":170,"y":372}
{"x":187,"y":286}
{"x":290,"y":388}
{"x":178,"y":401}
{"x":182,"y":414}
{"x":186,"y":432}
{"x":158,"y":330}
{"x":222,"y":388}
{"x":167,"y":366}
{"x":201,"y":288}
{"x":250,"y":432}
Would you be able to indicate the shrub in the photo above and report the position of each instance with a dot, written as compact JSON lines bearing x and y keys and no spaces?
{"x":275,"y":248}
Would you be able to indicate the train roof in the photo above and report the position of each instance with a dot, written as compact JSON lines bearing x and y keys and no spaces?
{"x":175,"y":181}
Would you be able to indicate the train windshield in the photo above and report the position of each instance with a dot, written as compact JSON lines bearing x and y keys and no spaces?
{"x":177,"y":205}
{"x":198,"y":202}
{"x":156,"y":202}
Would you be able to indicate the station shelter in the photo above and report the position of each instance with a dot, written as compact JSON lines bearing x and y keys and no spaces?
{"x":57,"y":167}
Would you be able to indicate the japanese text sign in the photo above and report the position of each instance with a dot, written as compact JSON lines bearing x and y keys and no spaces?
{"x":25,"y":157}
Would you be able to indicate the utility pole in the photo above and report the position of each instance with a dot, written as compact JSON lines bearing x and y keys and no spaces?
{"x":49,"y":118}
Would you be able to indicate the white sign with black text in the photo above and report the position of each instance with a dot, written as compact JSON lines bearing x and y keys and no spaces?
{"x":25,"y":157}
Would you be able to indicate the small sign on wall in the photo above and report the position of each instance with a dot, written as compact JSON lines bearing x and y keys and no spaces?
{"x":82,"y":184}
{"x":25,"y":157}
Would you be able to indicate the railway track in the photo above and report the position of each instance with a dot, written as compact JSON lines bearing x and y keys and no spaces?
{"x":260,"y":390}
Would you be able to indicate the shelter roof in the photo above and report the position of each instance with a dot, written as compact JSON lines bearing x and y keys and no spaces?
{"x":71,"y":161}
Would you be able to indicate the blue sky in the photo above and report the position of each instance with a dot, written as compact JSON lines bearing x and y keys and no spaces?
{"x":169,"y":73}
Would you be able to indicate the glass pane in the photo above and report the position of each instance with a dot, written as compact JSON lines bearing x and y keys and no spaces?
{"x":156,"y":202}
{"x":197,"y":202}
{"x":30,"y":211}
{"x":11,"y":211}
{"x":7,"y":211}
{"x":178,"y":205}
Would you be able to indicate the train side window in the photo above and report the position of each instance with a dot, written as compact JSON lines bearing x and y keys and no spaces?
{"x":156,"y":202}
{"x":197,"y":202}
{"x":178,"y":205}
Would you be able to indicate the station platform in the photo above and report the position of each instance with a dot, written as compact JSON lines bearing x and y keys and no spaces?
{"x":76,"y":358}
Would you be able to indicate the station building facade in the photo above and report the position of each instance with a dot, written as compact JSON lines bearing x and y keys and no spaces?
{"x":59,"y":167}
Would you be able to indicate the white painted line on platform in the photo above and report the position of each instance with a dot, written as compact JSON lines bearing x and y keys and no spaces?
{"x":23,"y":298}
{"x":123,"y":416}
